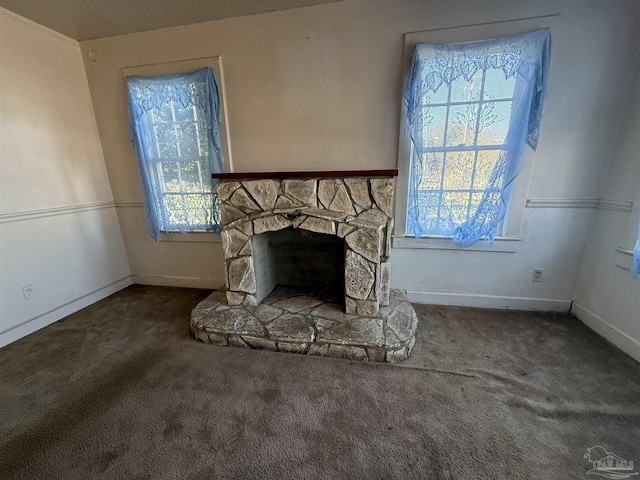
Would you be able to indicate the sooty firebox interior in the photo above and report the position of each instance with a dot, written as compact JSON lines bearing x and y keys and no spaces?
{"x":299,"y":258}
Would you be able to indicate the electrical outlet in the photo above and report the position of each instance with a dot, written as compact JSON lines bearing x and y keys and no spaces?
{"x":28,"y":292}
{"x":537,"y":275}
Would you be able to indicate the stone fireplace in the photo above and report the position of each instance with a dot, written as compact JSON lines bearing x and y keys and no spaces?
{"x":359,"y":210}
{"x":312,"y":251}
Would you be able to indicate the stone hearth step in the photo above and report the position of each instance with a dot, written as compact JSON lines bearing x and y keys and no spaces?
{"x":289,"y":320}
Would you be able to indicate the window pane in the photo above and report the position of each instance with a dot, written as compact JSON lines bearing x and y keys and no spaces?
{"x":198,"y":208}
{"x":174,"y":210}
{"x":494,"y":123}
{"x":187,"y":136}
{"x":453,"y":209}
{"x":462,"y":124}
{"x":428,"y":204}
{"x":484,"y":166}
{"x":165,"y":141}
{"x":458,"y":170}
{"x":466,"y":91}
{"x":161,"y":115}
{"x":432,"y":122}
{"x":432,"y":171}
{"x":183,"y":114}
{"x":168,"y":174}
{"x":190,"y":177}
{"x":496,"y":87}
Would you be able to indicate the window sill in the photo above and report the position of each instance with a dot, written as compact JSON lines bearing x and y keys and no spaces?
{"x":197,"y":237}
{"x":623,"y":258}
{"x":500,"y":244}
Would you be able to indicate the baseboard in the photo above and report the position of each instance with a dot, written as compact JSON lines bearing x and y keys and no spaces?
{"x":170,"y":281}
{"x":34,"y":324}
{"x":595,"y":322}
{"x":489,"y":301}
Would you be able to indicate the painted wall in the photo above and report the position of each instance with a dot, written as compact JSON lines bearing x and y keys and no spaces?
{"x":58,"y":227}
{"x":320,"y":87}
{"x":607,"y":297}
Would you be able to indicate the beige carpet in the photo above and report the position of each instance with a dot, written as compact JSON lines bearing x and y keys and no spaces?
{"x":121,"y":391}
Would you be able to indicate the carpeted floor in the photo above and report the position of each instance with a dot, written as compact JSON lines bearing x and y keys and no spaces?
{"x":120,"y":390}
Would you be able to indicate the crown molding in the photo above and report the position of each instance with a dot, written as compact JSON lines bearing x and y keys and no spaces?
{"x":36,"y":26}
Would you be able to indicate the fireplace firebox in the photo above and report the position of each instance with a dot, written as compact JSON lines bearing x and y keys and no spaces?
{"x":312,"y":262}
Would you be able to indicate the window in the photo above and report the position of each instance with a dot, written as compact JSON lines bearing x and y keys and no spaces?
{"x":470,"y":109}
{"x":174,"y":123}
{"x":181,"y":167}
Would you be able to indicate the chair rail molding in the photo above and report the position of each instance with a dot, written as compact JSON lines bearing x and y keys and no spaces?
{"x":129,"y":204}
{"x":54,"y":211}
{"x":595,"y":203}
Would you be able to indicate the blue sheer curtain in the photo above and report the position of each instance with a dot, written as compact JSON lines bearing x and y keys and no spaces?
{"x":435,"y":68}
{"x":149,"y":99}
{"x":635,"y":260}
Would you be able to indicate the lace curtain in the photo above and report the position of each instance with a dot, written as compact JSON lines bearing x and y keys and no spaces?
{"x":522,"y":60}
{"x":635,"y":260}
{"x":174,"y":128}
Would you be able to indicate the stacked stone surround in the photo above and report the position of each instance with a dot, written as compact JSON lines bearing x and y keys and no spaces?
{"x":291,"y":321}
{"x":357,"y":209}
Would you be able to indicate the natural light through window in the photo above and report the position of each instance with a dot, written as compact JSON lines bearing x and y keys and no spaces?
{"x":464,"y":128}
{"x":181,"y":166}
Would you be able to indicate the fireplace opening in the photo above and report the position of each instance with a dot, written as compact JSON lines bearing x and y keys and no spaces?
{"x":312,"y":262}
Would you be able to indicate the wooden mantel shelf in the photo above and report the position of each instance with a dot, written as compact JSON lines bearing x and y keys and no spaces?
{"x":310,"y":174}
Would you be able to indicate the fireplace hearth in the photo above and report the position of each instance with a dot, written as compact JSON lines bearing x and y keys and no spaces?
{"x":307,"y":268}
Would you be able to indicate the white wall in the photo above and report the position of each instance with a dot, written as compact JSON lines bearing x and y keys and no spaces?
{"x":58,"y":226}
{"x":319,"y":88}
{"x":607,"y":297}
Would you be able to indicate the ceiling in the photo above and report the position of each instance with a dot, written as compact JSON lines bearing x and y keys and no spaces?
{"x":87,"y":19}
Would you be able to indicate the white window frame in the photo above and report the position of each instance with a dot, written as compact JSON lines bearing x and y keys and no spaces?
{"x":510,"y":230}
{"x":184,"y":66}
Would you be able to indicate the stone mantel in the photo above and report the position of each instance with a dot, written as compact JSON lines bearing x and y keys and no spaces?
{"x":305,"y":174}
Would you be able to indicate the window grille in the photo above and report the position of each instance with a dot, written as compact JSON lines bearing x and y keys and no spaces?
{"x":181,"y":168}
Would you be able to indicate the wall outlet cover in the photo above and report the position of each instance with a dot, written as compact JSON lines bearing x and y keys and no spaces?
{"x":28,"y":292}
{"x":537,"y":275}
